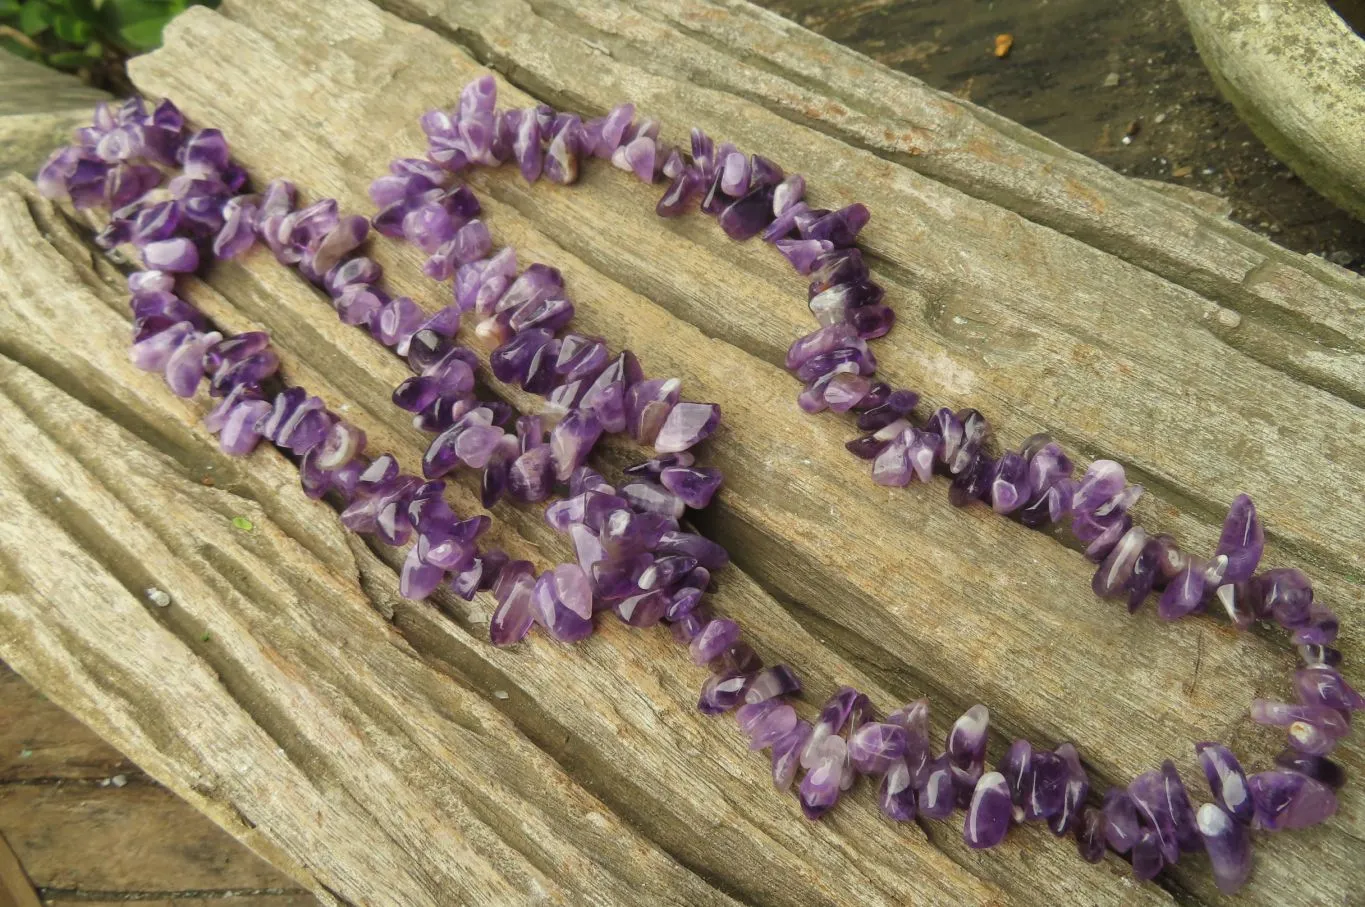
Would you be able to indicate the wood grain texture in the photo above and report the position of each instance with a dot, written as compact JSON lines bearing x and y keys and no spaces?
{"x":38,"y":109}
{"x":1030,"y":282}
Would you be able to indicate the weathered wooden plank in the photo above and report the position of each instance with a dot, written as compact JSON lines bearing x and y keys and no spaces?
{"x":628,"y":743}
{"x":814,"y":82}
{"x":987,"y":156}
{"x":1296,"y":73}
{"x":411,"y":826}
{"x":38,"y":110}
{"x":697,"y":776}
{"x":974,"y":277}
{"x":33,"y":88}
{"x":38,"y":741}
{"x":1009,"y":350}
{"x":893,"y":591}
{"x":140,"y":839}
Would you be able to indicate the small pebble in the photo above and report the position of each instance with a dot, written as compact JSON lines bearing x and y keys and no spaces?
{"x":158,"y":597}
{"x":499,"y":694}
{"x":119,"y":780}
{"x":1111,"y":80}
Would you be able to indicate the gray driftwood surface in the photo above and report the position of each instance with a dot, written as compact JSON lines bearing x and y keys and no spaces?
{"x":1295,"y":70}
{"x":381,"y":752}
{"x":38,"y":109}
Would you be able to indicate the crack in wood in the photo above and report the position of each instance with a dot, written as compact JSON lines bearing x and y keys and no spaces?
{"x":78,"y":895}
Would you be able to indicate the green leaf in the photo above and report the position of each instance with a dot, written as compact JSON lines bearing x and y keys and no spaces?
{"x":137,"y":10}
{"x":144,"y":35}
{"x":136,"y":24}
{"x":242,"y":523}
{"x":9,"y":8}
{"x":68,"y":59}
{"x":71,"y":29}
{"x":35,"y":17}
{"x":83,"y":9}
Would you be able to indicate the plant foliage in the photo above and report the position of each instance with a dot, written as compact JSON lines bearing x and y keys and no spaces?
{"x":80,"y":34}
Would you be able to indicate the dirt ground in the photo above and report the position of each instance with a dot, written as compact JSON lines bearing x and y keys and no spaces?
{"x":1118,"y":81}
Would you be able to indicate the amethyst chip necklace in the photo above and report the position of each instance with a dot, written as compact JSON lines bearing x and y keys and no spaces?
{"x":633,"y":556}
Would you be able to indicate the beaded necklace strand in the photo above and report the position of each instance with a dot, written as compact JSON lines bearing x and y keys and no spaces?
{"x":634,"y":557}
